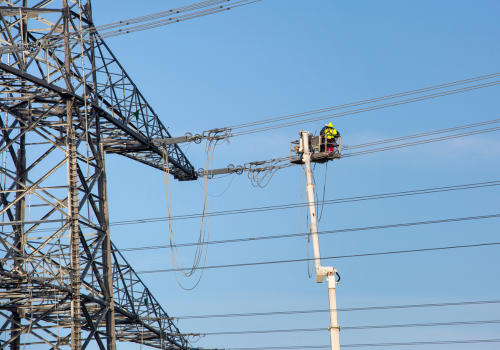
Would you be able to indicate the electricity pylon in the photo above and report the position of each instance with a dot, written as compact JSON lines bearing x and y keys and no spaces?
{"x":65,"y":103}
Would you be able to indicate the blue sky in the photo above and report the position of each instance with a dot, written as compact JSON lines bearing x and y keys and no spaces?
{"x":280,"y":57}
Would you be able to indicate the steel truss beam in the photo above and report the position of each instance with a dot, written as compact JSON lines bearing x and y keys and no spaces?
{"x":63,"y":107}
{"x":93,"y":73}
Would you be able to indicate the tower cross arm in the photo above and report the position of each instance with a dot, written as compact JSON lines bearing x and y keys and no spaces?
{"x":126,"y":139}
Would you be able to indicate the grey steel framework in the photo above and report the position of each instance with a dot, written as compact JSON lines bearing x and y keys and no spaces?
{"x":65,"y":102}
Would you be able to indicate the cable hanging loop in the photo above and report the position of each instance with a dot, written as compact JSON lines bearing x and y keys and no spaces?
{"x":259,"y":172}
{"x":204,"y":233}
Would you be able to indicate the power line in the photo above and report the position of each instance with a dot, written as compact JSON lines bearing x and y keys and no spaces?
{"x":372,"y":100}
{"x":331,"y":201}
{"x":269,"y":167}
{"x":442,"y":342}
{"x":249,"y":239}
{"x":366,"y":109}
{"x":416,"y":143}
{"x":334,"y":257}
{"x":424,"y":134}
{"x":173,"y":17}
{"x":410,"y":325}
{"x":272,"y":165}
{"x":371,"y":108}
{"x":298,"y":205}
{"x":327,"y":202}
{"x":167,"y":21}
{"x":366,"y":308}
{"x":176,"y":15}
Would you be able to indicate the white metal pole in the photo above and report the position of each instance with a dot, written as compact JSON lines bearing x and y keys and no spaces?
{"x":310,"y":197}
{"x":334,"y":325}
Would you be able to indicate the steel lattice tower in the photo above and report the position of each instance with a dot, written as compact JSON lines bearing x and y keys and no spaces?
{"x":65,"y":102}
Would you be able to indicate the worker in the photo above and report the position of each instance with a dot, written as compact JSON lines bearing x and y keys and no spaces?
{"x":331,"y":136}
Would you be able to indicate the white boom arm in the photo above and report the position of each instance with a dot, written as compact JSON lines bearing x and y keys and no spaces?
{"x":321,"y":271}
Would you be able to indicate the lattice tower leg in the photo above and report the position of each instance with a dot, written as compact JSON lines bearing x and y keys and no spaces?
{"x":106,"y":256}
{"x":19,"y":236}
{"x":76,"y":341}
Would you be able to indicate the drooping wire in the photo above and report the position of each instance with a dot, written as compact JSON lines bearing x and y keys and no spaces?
{"x":310,"y":270}
{"x":227,"y":188}
{"x":316,"y":202}
{"x":324,"y":191}
{"x":261,"y":176}
{"x":204,"y":234}
{"x":300,"y":207}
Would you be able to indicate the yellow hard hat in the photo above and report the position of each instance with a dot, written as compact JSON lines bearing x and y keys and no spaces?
{"x":330,"y":125}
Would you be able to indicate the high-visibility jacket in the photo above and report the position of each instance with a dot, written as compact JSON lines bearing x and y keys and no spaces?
{"x":331,"y":133}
